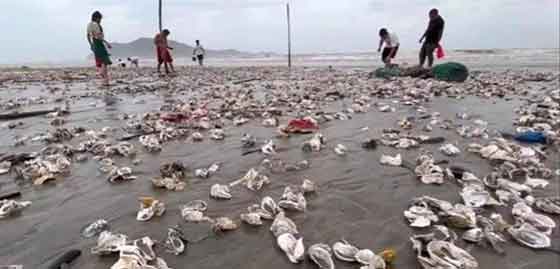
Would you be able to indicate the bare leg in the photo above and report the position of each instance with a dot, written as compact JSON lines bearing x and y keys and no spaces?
{"x":159,"y":68}
{"x":172,"y":68}
{"x":105,"y":75}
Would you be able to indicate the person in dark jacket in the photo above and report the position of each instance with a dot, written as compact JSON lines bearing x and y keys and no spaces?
{"x":431,"y":38}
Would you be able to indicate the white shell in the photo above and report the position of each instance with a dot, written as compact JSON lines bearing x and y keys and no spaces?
{"x":252,"y":219}
{"x":293,"y":247}
{"x":218,"y":191}
{"x":282,"y":225}
{"x":529,"y":236}
{"x":364,"y":256}
{"x":392,"y":161}
{"x":344,"y":251}
{"x":450,"y":150}
{"x":320,"y":254}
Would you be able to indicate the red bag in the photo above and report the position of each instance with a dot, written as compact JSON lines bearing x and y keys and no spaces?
{"x":439,"y":52}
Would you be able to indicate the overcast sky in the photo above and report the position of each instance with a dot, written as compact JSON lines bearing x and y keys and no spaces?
{"x":54,"y":30}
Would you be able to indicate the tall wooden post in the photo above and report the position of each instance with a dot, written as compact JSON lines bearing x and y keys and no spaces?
{"x":289,"y":36}
{"x":159,"y":13}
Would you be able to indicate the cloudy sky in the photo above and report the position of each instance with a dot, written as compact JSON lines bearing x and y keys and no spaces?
{"x":54,"y":30}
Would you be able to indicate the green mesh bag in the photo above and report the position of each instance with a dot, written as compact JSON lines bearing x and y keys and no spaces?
{"x":450,"y":71}
{"x":385,"y":72}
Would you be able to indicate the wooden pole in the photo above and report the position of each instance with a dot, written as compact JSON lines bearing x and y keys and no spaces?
{"x":159,"y":14}
{"x":289,"y":36}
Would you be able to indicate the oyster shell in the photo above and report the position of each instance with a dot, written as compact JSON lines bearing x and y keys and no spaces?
{"x":293,"y":200}
{"x":392,"y":161}
{"x":308,"y":186}
{"x":448,"y":255}
{"x":549,"y":205}
{"x":150,"y":207}
{"x":450,"y":150}
{"x":108,"y":243}
{"x":525,"y":213}
{"x":174,"y":241}
{"x":420,"y":215}
{"x":282,"y":225}
{"x":253,"y":180}
{"x":314,"y":144}
{"x":529,"y":236}
{"x":11,"y":207}
{"x":321,"y":255}
{"x":218,"y":191}
{"x":340,"y":150}
{"x":217,"y":134}
{"x":475,"y":195}
{"x":344,"y":251}
{"x":151,"y":143}
{"x":269,"y":148}
{"x":94,"y":228}
{"x":172,"y":184}
{"x":252,"y":219}
{"x":224,"y":224}
{"x":292,"y":246}
{"x":473,"y":235}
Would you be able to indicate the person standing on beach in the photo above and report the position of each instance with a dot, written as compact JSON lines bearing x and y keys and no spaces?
{"x":198,"y":53}
{"x":391,"y":42}
{"x":99,"y":46}
{"x":431,"y":38}
{"x":162,"y":50}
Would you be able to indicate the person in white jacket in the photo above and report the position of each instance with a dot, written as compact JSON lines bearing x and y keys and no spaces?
{"x":391,"y":42}
{"x":199,"y":53}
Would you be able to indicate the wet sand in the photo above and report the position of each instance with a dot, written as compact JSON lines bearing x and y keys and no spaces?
{"x":358,"y":199}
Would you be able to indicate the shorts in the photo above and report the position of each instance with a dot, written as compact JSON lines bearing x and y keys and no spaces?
{"x":98,"y":62}
{"x":164,"y":56}
{"x":387,"y":51}
{"x":200,"y":57}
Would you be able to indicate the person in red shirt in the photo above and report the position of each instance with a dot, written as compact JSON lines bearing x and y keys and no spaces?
{"x":162,"y":50}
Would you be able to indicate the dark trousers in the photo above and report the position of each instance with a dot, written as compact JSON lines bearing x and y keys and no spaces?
{"x":386,"y":54}
{"x":200,"y":59}
{"x":427,"y":50}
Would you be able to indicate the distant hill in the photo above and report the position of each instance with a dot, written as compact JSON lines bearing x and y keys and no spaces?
{"x":144,"y":48}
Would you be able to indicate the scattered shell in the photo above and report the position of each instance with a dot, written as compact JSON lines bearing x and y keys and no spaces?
{"x":293,"y":200}
{"x":392,"y":161}
{"x":473,"y":235}
{"x":94,"y":228}
{"x":11,"y":207}
{"x":293,"y":247}
{"x":224,"y":224}
{"x":450,"y":150}
{"x":218,"y":191}
{"x":314,"y":144}
{"x":150,"y":207}
{"x":174,"y":242}
{"x":172,"y":184}
{"x":321,"y":255}
{"x":252,"y":219}
{"x":340,"y":150}
{"x":344,"y":251}
{"x":269,"y":148}
{"x":217,"y":134}
{"x":282,"y":225}
{"x":308,"y":186}
{"x":529,"y":236}
{"x":108,"y":243}
{"x":549,"y":205}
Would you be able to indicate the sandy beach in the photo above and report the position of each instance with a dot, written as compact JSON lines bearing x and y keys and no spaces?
{"x":358,"y":199}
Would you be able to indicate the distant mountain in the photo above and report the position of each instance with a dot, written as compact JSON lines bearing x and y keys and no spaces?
{"x":144,"y":48}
